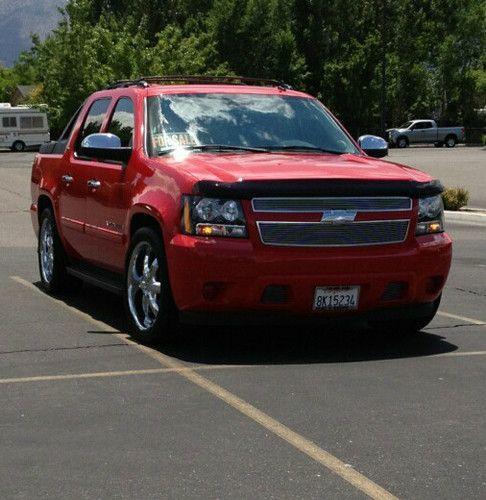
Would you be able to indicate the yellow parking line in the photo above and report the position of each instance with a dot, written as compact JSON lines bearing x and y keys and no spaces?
{"x":70,"y":376}
{"x":296,"y":440}
{"x":125,"y":373}
{"x":462,"y":318}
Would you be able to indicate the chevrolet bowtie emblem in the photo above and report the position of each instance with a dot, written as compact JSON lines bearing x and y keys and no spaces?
{"x":338,"y":216}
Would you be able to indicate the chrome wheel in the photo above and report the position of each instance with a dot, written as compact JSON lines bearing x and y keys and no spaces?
{"x":143,"y":286}
{"x":46,"y":250}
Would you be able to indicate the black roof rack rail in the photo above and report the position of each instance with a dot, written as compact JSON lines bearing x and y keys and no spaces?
{"x":120,"y":84}
{"x":144,"y":81}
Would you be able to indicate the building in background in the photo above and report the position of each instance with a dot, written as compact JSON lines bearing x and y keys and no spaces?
{"x":21,"y":93}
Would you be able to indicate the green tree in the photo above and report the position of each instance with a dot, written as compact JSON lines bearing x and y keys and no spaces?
{"x":434,"y":52}
{"x":256,"y":38}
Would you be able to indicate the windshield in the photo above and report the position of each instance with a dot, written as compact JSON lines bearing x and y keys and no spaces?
{"x":242,"y":122}
{"x":405,"y":125}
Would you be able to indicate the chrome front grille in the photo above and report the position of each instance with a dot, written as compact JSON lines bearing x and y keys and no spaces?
{"x":311,"y":205}
{"x":317,"y":234}
{"x":329,"y":233}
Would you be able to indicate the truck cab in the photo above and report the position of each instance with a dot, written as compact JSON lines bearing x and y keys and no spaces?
{"x":422,"y":131}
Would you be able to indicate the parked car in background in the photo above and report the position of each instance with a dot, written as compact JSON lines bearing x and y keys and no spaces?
{"x":425,"y":132}
{"x":22,"y":126}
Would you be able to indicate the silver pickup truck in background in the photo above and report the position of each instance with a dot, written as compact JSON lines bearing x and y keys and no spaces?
{"x":425,"y":131}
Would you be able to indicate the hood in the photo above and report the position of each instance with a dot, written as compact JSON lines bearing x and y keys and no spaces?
{"x":238,"y":167}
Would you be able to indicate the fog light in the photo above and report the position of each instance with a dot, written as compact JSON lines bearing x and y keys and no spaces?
{"x":210,"y":291}
{"x":275,"y":294}
{"x":395,"y":290}
{"x":434,"y":284}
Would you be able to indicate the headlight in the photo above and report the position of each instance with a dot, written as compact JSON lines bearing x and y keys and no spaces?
{"x":212,"y":217}
{"x":207,"y":209}
{"x":430,"y":216}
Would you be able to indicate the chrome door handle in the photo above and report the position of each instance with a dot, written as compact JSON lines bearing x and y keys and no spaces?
{"x":94,"y":184}
{"x":67,"y":179}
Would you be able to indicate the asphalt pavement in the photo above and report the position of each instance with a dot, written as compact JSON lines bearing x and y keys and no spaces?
{"x":462,"y":166}
{"x":233,"y":412}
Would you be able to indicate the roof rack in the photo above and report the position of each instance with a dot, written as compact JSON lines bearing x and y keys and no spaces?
{"x":145,"y":81}
{"x":120,"y":84}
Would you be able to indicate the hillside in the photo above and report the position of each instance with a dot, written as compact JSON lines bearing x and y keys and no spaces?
{"x":19,"y":19}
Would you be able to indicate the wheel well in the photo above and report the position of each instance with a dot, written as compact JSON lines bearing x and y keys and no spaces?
{"x":451,"y":135}
{"x":402,"y":137}
{"x":143,"y":220}
{"x":43,"y":203}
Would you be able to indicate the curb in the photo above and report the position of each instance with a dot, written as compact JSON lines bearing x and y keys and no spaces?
{"x":476,"y":217}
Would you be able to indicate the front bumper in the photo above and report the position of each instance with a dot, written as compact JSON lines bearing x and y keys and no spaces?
{"x":232,"y":276}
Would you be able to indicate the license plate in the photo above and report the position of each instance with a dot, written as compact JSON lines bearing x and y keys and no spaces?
{"x":332,"y":298}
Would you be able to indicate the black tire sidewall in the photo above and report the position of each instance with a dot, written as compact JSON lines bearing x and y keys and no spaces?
{"x":19,"y":149}
{"x":164,"y":325}
{"x":450,"y":145}
{"x":402,"y":140}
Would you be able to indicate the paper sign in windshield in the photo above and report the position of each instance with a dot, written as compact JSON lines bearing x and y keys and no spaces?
{"x":162,"y":141}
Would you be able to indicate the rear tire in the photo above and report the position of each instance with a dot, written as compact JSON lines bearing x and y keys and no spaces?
{"x":52,"y":258}
{"x":18,"y":146}
{"x":450,"y":141}
{"x":406,"y":326}
{"x":148,"y":297}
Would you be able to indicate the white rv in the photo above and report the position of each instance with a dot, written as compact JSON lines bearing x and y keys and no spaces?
{"x":21,"y":127}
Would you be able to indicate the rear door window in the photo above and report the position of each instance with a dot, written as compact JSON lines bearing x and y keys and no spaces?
{"x":66,"y":133}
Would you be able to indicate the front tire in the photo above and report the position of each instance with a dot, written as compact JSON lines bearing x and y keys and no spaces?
{"x":402,"y":142}
{"x":52,"y":258}
{"x":407,"y":326}
{"x":148,"y":297}
{"x":18,"y":146}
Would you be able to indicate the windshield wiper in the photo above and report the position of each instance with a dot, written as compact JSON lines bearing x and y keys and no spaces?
{"x":217,"y":147}
{"x":268,"y":149}
{"x":305,"y":148}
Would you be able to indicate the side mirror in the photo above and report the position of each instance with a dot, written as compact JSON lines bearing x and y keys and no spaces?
{"x":373,"y":145}
{"x":105,"y":147}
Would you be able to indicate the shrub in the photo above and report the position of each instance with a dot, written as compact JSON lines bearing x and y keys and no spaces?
{"x":455,"y":198}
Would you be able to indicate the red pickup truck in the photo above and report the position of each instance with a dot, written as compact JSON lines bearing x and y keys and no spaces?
{"x":230,"y":199}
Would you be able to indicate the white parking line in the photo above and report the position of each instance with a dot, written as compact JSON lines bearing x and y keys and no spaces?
{"x":461,"y":353}
{"x":462,"y":318}
{"x":296,"y":440}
